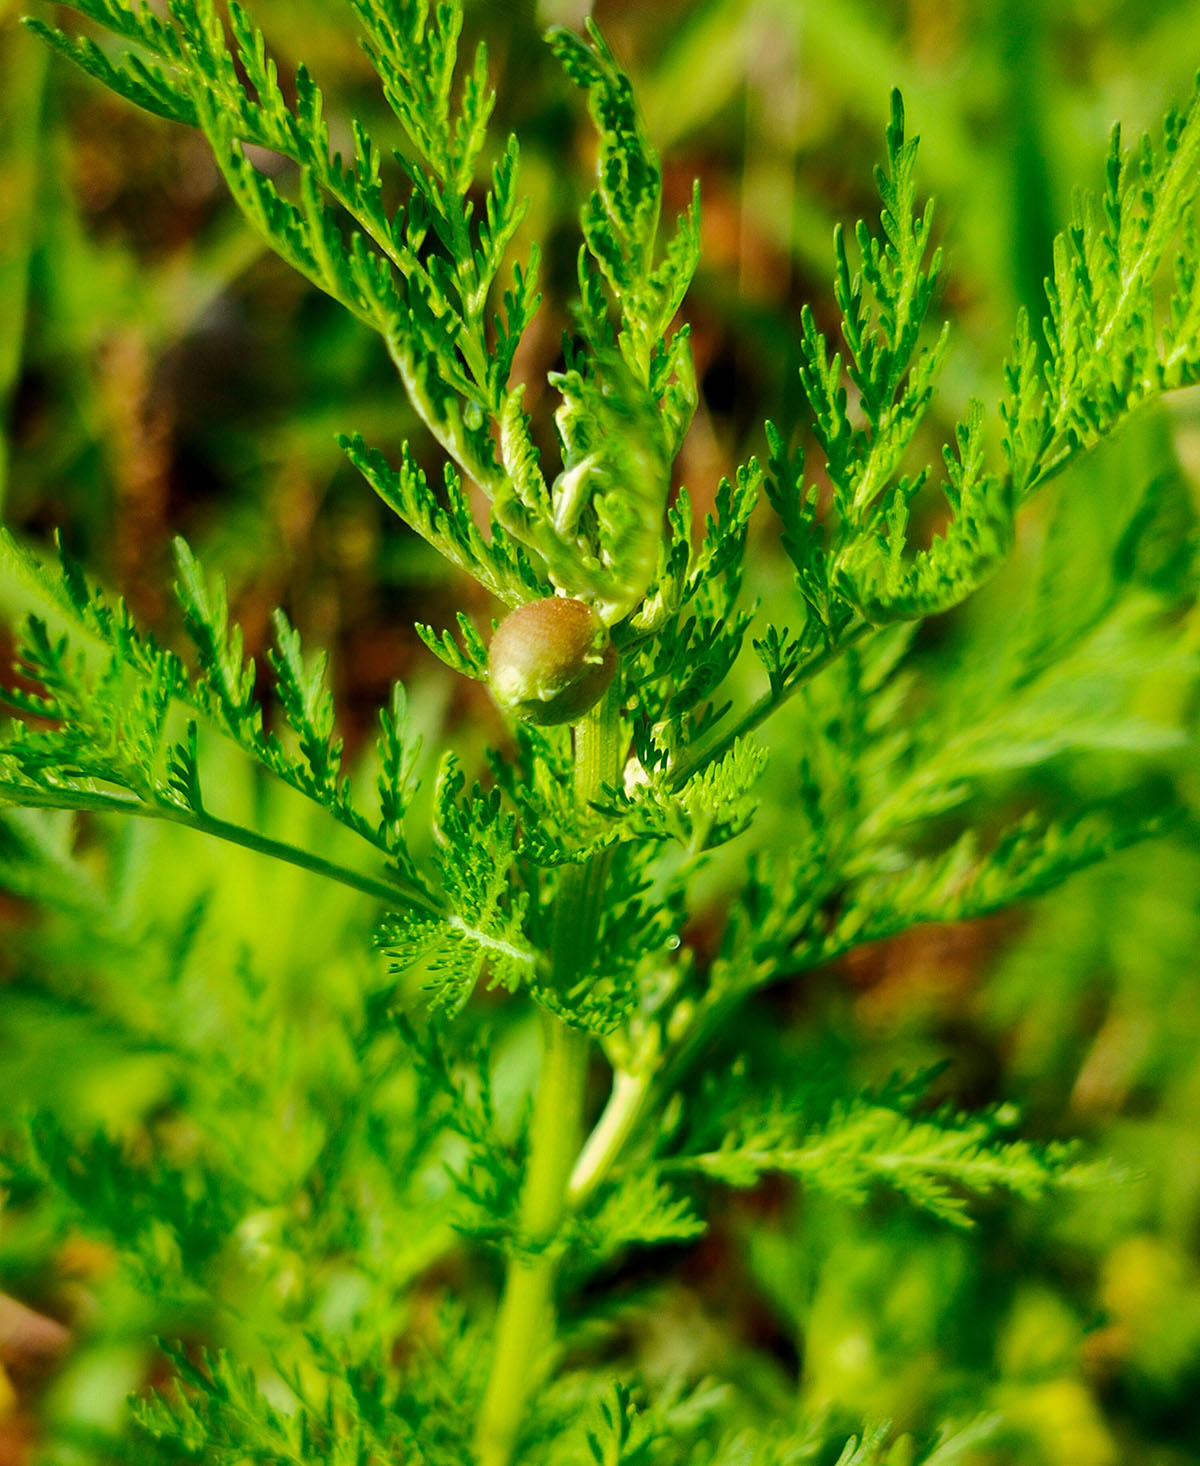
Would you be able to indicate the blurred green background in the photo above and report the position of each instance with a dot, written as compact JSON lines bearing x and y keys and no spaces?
{"x":159,"y":373}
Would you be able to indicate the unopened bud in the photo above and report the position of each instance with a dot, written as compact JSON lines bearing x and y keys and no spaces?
{"x":551,"y":661}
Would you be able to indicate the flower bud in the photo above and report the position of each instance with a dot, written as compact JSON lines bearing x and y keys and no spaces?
{"x":551,"y":661}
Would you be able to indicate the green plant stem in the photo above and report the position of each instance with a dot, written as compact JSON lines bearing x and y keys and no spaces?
{"x":525,"y":1324}
{"x":716,"y":747}
{"x":101,"y":802}
{"x":626,"y":1105}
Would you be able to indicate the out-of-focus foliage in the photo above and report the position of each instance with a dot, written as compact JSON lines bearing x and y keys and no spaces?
{"x":158,"y":371}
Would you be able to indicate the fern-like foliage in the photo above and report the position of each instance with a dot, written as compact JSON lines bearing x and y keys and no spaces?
{"x":426,"y":275}
{"x":936,"y":1162}
{"x":630,"y":882}
{"x":1111,"y":347}
{"x":484,"y":920}
{"x":114,"y":720}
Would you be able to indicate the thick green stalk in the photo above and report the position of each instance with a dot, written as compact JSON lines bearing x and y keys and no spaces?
{"x":526,"y":1320}
{"x":526,"y":1317}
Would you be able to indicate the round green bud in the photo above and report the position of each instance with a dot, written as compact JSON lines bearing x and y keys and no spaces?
{"x":551,"y":661}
